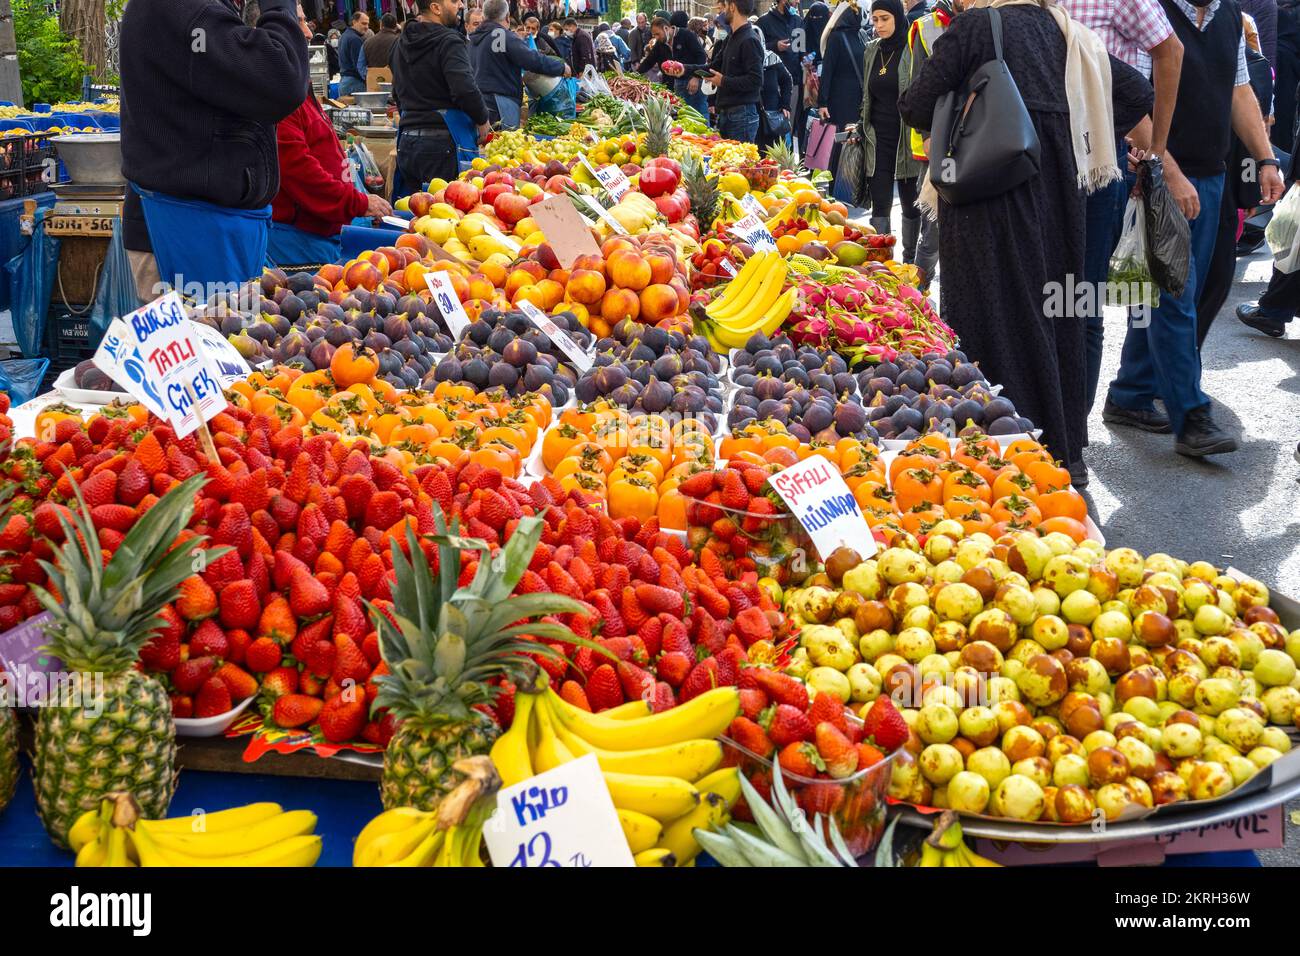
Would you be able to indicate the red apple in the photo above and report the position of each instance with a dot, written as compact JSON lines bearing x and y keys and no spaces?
{"x":670,"y":208}
{"x":491,"y":179}
{"x":510,"y":208}
{"x":557,"y":184}
{"x":493,"y":190}
{"x":464,"y":196}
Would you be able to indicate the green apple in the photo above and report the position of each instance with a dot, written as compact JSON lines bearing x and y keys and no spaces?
{"x":1072,"y":768}
{"x":991,"y":764}
{"x":1274,"y":669}
{"x":940,"y":763}
{"x":968,"y":792}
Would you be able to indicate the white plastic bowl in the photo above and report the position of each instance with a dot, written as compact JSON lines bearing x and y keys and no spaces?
{"x":210,"y":726}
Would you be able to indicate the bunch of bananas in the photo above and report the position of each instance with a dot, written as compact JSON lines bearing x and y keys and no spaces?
{"x":661,"y":769}
{"x":751,"y":302}
{"x":260,"y":834}
{"x":945,"y":846}
{"x":448,"y":836}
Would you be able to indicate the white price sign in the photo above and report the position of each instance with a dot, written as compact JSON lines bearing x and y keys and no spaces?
{"x":231,"y":366}
{"x":752,"y":206}
{"x":611,"y":177}
{"x":603,"y":213}
{"x":397,"y":222}
{"x":727,"y":267}
{"x":448,"y":303}
{"x":753,"y":230}
{"x":820,"y":500}
{"x":509,"y":242}
{"x":579,"y":357}
{"x":563,"y":817}
{"x":153,"y":354}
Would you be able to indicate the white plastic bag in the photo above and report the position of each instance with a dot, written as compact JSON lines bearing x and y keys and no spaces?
{"x":1129,"y":281}
{"x":592,"y":83}
{"x":1283,"y":232}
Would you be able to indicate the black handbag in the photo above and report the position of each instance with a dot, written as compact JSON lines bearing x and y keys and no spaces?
{"x":773,"y":124}
{"x":983,"y":142}
{"x":851,"y":174}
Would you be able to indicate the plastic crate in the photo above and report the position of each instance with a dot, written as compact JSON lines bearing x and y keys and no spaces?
{"x":24,"y":162}
{"x":71,"y":339}
{"x":346,"y":120}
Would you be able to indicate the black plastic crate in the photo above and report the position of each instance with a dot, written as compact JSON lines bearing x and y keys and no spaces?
{"x":71,"y":339}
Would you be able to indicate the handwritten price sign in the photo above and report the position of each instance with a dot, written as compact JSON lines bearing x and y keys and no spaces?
{"x":820,"y":500}
{"x":563,"y":817}
{"x":444,"y":296}
{"x":753,"y":230}
{"x":579,"y":357}
{"x":611,"y":177}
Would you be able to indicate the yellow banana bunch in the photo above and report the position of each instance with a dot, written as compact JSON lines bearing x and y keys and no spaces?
{"x":945,"y":846}
{"x":448,"y":836}
{"x":260,"y":834}
{"x":752,"y":302}
{"x":662,"y":770}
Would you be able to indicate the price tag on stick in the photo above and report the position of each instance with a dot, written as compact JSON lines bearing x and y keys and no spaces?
{"x":581,"y":360}
{"x":752,"y":206}
{"x":563,"y":817}
{"x":610,"y":177}
{"x":448,"y":303}
{"x":231,"y":366}
{"x":820,"y":500}
{"x":753,"y":230}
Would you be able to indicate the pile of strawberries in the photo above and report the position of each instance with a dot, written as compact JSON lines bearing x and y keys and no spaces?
{"x":815,"y":739}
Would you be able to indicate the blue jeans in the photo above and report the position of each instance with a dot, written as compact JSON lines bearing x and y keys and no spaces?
{"x":351,"y":84}
{"x":1104,"y":218}
{"x":1162,"y":359}
{"x":739,"y":123}
{"x":504,"y":110}
{"x":697,"y":100}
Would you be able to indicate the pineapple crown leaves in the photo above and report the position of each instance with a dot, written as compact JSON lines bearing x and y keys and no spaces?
{"x":123,"y":598}
{"x":442,"y":643}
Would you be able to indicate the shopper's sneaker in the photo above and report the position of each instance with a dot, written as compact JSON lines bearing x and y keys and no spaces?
{"x":1201,"y":436}
{"x":1257,"y":318}
{"x":1148,"y":419}
{"x":1078,"y":475}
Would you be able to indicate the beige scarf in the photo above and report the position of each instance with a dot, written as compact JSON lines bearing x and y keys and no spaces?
{"x":1087,"y":86}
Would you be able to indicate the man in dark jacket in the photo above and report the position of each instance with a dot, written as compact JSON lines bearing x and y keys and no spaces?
{"x":583,"y":51}
{"x":202,"y":128}
{"x":499,"y":57}
{"x":351,"y":80}
{"x":673,"y":40}
{"x":784,"y":34}
{"x":639,"y":37}
{"x":432,"y":75}
{"x":737,"y":75}
{"x":378,"y":48}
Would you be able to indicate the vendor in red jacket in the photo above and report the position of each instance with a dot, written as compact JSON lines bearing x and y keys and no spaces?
{"x":317,"y":197}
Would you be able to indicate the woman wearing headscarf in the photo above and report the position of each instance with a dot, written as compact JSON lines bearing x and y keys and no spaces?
{"x":774,"y":97}
{"x":887,"y":154}
{"x":839,"y":91}
{"x":1003,"y":257}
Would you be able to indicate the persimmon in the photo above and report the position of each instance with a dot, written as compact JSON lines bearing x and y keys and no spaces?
{"x":1016,"y":508}
{"x":558,"y":442}
{"x":931,"y":444}
{"x":497,"y":456}
{"x":643,"y":459}
{"x":585,"y":482}
{"x":913,"y":486}
{"x":964,"y":482}
{"x":737,"y":442}
{"x":960,"y":505}
{"x":1064,"y":503}
{"x":1047,"y":475}
{"x":578,"y":463}
{"x":590,"y":449}
{"x":633,"y":497}
{"x":921,"y":519}
{"x":1075,"y":529}
{"x":781,"y":455}
{"x":672,"y":509}
{"x":912,"y":460}
{"x":1014,"y":483}
{"x":352,"y":364}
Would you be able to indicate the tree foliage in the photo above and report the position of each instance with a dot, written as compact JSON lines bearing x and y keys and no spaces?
{"x":49,"y":61}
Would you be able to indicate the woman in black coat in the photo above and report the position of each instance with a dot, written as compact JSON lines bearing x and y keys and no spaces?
{"x":839,"y":92}
{"x":774,"y":96}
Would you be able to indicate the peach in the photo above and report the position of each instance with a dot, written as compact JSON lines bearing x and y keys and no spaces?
{"x":585,"y":285}
{"x":591,"y":263}
{"x":331,"y":273}
{"x":533,"y":293}
{"x":533,"y":268}
{"x":481,"y":287}
{"x":379,"y":259}
{"x":628,"y":270}
{"x":619,"y":304}
{"x":413,"y":240}
{"x":419,"y":204}
{"x":683,"y":295}
{"x":363,"y":275}
{"x":551,"y":292}
{"x":413,"y":276}
{"x":658,"y":301}
{"x":547,"y":257}
{"x":408,"y":255}
{"x":663,"y":266}
{"x":518,"y":279}
{"x":615,"y":243}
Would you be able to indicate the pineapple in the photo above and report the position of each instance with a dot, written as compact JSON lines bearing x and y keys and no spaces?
{"x":701,"y":190}
{"x":443,"y":644}
{"x":658,"y":126}
{"x":116,"y":731}
{"x":785,"y":158}
{"x":8,"y":754}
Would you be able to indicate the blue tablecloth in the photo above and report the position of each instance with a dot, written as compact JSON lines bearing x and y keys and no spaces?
{"x":12,"y":241}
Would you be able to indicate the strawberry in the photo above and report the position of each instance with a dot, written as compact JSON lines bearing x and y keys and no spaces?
{"x":349,"y":618}
{"x":308,"y":597}
{"x":572,"y":691}
{"x":884,"y":725}
{"x":637,"y":683}
{"x":284,"y":512}
{"x":114,"y":517}
{"x":133,"y":483}
{"x":224,"y":570}
{"x":826,"y":708}
{"x":604,"y":690}
{"x":190,"y":675}
{"x":16,"y":535}
{"x":752,"y":626}
{"x":349,"y":661}
{"x":100,"y":489}
{"x":240,"y":606}
{"x":339,"y":540}
{"x":251,"y":491}
{"x":238,"y":681}
{"x":320,"y":658}
{"x":837,"y":752}
{"x":162,"y":652}
{"x":752,"y":702}
{"x":755,"y":479}
{"x":239,"y":640}
{"x":702,"y":678}
{"x":437,"y":486}
{"x":277,"y":621}
{"x":729,"y":660}
{"x":280,"y":681}
{"x":263,"y":655}
{"x":651,"y":634}
{"x":698,"y":485}
{"x":674,"y":667}
{"x":633,"y":614}
{"x":662,"y":698}
{"x":751,"y":736}
{"x":209,"y":640}
{"x":342,"y":718}
{"x":734,"y":493}
{"x":45,"y":520}
{"x":675,"y":637}
{"x":782,"y":688}
{"x":295,"y":710}
{"x":182,"y":706}
{"x":868,"y":756}
{"x":787,"y":725}
{"x":383,"y":510}
{"x":213,"y":698}
{"x":802,"y":759}
{"x":656,"y":599}
{"x":196,"y":599}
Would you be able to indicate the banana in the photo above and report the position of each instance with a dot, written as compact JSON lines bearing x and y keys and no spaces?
{"x":426,"y":852}
{"x":657,"y":856}
{"x":390,"y":821}
{"x":510,"y":752}
{"x":931,"y":856}
{"x":629,"y":711}
{"x":725,"y":783}
{"x":116,"y":855}
{"x":254,"y":837}
{"x":767,"y":322}
{"x":94,"y":853}
{"x":728,"y":314}
{"x":974,"y":859}
{"x":705,"y":716}
{"x":664,"y":798}
{"x":642,"y":832}
{"x":392,"y":847}
{"x":550,"y":751}
{"x":88,"y":828}
{"x":220,"y":820}
{"x":690,"y":759}
{"x":764,"y":297}
{"x":741,"y":289}
{"x":295,"y":851}
{"x":679,"y":836}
